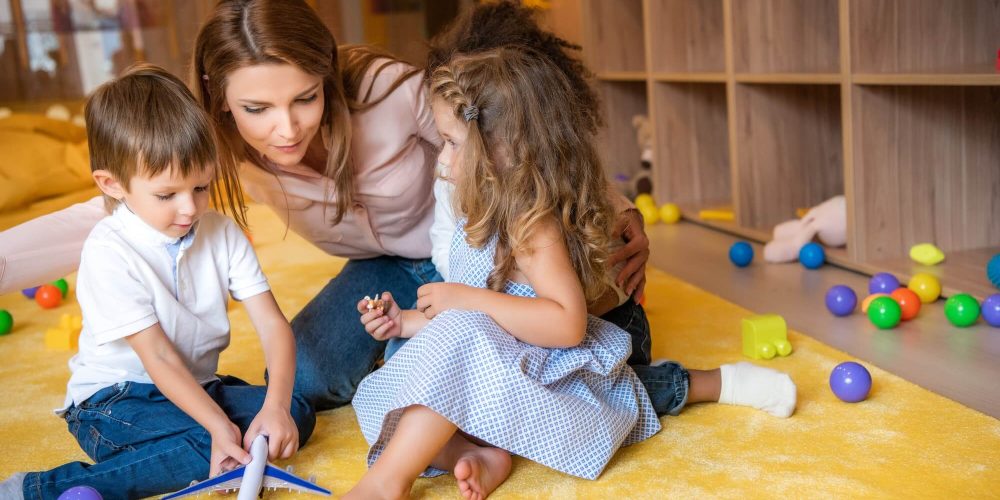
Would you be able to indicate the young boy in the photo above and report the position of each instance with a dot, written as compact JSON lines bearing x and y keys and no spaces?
{"x":143,"y":400}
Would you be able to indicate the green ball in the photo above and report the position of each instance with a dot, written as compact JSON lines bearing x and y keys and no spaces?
{"x":62,"y":285}
{"x":961,"y":309}
{"x":6,"y":322}
{"x":885,"y":313}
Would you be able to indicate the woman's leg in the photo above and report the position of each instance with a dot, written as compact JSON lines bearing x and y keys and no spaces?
{"x":333,"y":351}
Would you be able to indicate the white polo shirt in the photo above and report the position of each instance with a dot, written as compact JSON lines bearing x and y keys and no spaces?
{"x":132,"y":277}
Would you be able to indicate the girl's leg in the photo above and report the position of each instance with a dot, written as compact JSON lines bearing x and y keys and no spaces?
{"x":478,"y":469}
{"x":420,"y":436}
{"x":333,"y":351}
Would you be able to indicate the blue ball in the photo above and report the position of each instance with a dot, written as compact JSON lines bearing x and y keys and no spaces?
{"x":30,"y":292}
{"x":80,"y":493}
{"x":741,"y":254}
{"x":850,"y":382}
{"x":993,"y":270}
{"x":812,"y":256}
{"x":841,"y":300}
{"x":991,"y":310}
{"x":883,"y":283}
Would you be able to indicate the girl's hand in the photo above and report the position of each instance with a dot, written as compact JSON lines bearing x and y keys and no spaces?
{"x":382,"y":317}
{"x":227,"y":454}
{"x":635,"y":253}
{"x":434,"y":298}
{"x":282,"y":433}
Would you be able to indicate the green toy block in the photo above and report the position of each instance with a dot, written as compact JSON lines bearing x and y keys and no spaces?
{"x":764,"y":336}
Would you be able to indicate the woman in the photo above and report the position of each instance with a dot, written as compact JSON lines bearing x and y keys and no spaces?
{"x":339,"y":143}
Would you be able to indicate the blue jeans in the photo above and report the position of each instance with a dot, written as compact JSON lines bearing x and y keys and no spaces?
{"x":333,"y":351}
{"x":143,"y":445}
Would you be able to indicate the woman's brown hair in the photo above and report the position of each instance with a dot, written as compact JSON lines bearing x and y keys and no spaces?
{"x":529,"y":157}
{"x":242,"y":33}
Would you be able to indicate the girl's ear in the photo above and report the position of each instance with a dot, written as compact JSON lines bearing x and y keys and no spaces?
{"x":108,"y":184}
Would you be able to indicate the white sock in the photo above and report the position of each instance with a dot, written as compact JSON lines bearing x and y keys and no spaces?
{"x":13,"y":487}
{"x":747,"y":384}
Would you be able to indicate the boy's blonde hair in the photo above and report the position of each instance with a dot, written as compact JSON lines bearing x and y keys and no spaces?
{"x":146,"y":122}
{"x":529,"y":157}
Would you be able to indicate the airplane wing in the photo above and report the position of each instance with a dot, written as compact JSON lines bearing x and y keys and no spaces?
{"x":277,"y":478}
{"x":228,"y":481}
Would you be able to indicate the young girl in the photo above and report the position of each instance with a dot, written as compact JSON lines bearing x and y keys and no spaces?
{"x":507,"y":354}
{"x":144,"y":400}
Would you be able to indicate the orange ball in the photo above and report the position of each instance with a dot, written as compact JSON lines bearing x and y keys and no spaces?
{"x":48,"y":296}
{"x":909,"y":302}
{"x":868,"y":301}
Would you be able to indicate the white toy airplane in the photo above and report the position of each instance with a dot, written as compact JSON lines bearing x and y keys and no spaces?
{"x":251,"y":478}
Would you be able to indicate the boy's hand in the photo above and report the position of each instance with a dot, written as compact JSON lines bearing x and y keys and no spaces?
{"x":434,"y":298}
{"x":227,"y":454}
{"x":381,"y":316}
{"x":279,"y":427}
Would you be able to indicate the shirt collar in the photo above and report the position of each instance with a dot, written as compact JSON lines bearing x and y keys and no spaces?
{"x":138,"y":230}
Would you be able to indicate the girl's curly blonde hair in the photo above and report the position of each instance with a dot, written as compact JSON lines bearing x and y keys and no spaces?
{"x":529,"y":157}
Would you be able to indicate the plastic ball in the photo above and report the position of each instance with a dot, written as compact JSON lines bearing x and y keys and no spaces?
{"x":991,"y":310}
{"x":961,"y":310}
{"x":30,"y":292}
{"x":885,"y":313}
{"x":741,"y":254}
{"x":650,"y":215}
{"x":927,"y":287}
{"x":812,"y":256}
{"x":909,"y":302}
{"x":883,"y":283}
{"x":62,"y":285}
{"x":850,"y":382}
{"x":993,"y":270}
{"x":865,"y":304}
{"x":6,"y":322}
{"x":841,"y":300}
{"x":48,"y":296}
{"x":645,"y":200}
{"x":670,"y":213}
{"x":81,"y":493}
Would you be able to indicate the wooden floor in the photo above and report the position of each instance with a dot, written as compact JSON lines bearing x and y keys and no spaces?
{"x":962,"y":364}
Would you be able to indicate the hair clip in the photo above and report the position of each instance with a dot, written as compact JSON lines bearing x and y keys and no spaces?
{"x":471,"y":112}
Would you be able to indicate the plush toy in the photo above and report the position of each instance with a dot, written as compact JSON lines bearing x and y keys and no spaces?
{"x":642,"y":181}
{"x":826,"y":221}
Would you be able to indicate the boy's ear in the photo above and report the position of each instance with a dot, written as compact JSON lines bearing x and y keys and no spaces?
{"x":108,"y":184}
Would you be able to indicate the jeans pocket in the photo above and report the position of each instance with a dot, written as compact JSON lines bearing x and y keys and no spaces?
{"x":99,"y":447}
{"x":101,"y":400}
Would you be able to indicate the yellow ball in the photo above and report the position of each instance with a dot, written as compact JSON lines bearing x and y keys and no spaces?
{"x":649,"y":214}
{"x":670,"y":213}
{"x":927,"y":287}
{"x":645,"y":200}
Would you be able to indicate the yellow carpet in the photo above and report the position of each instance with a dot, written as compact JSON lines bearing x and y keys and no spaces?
{"x":902,"y":442}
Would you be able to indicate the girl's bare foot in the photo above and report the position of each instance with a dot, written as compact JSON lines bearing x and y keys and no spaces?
{"x":480,"y":471}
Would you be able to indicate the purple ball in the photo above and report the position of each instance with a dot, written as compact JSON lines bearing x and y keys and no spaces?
{"x":841,"y":300}
{"x":851,"y":382}
{"x":81,"y":493}
{"x":883,"y":283}
{"x":30,"y":292}
{"x":991,"y":310}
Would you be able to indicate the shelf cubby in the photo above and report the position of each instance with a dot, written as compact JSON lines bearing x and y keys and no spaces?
{"x":788,"y":150}
{"x":613,"y":32}
{"x":691,"y":166}
{"x":621,"y":101}
{"x":785,"y":36}
{"x":687,"y":36}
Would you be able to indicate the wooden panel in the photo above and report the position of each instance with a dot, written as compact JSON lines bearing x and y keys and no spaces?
{"x":613,"y":35}
{"x":687,"y":36}
{"x":774,"y":36}
{"x":788,"y":150}
{"x":925,"y":36}
{"x":618,"y":145}
{"x":926,"y":168}
{"x":692,"y":158}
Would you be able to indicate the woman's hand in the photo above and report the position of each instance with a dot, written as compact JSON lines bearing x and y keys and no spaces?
{"x":382,"y":317}
{"x":434,"y":298}
{"x":635,"y":253}
{"x":277,"y":424}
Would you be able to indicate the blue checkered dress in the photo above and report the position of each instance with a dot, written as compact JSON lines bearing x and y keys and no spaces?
{"x":569,"y":409}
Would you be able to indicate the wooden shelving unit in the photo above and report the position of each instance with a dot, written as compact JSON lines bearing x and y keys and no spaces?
{"x":768,"y":106}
